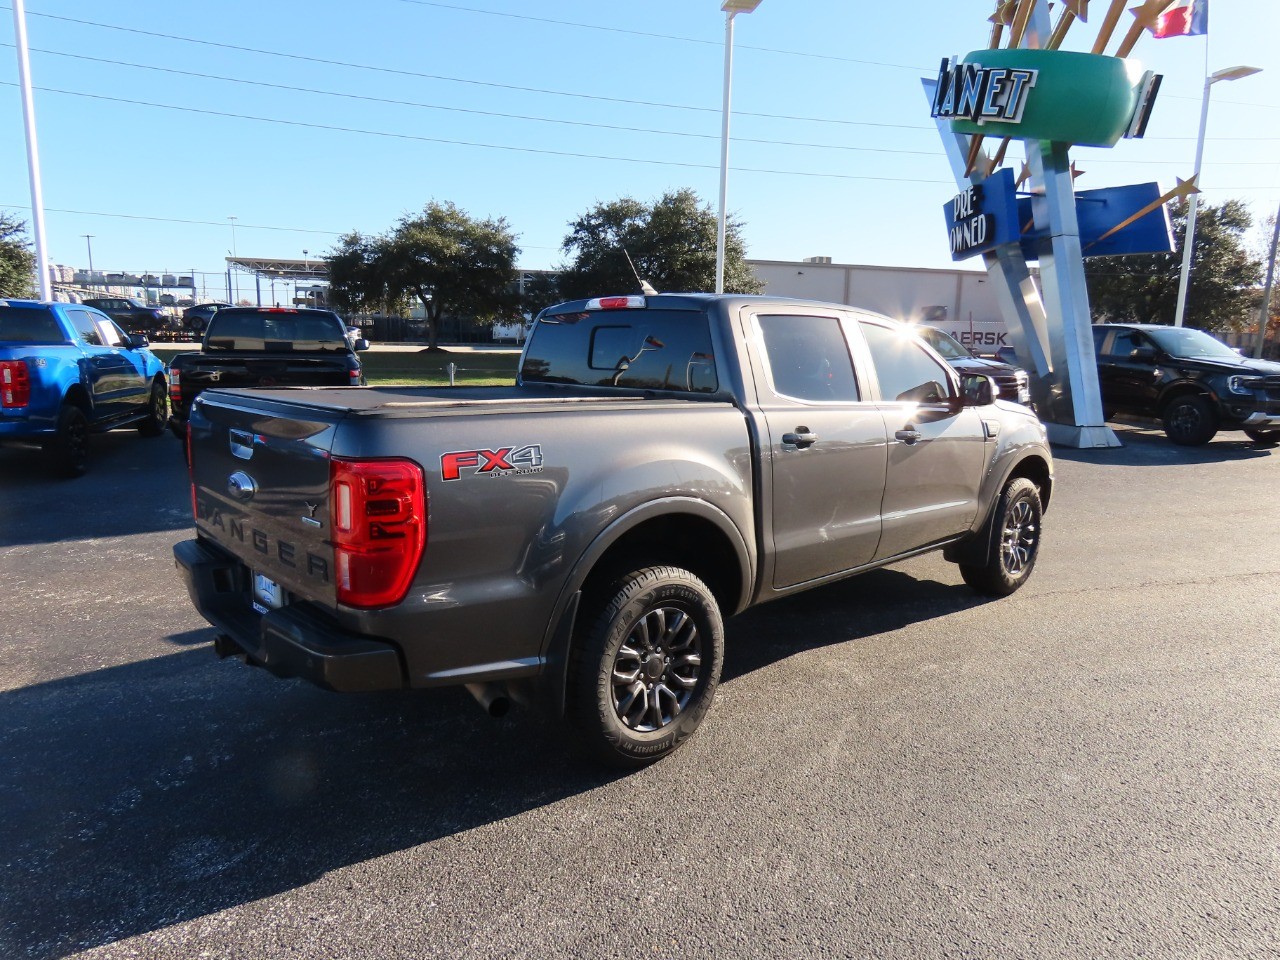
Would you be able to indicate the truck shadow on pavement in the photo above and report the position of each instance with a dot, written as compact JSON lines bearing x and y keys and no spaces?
{"x":1145,"y":445}
{"x":167,"y":789}
{"x":134,"y":485}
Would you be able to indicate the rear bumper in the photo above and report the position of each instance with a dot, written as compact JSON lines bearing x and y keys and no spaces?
{"x":294,"y":641}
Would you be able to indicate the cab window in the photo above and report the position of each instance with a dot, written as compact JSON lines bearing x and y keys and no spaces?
{"x":808,"y":358}
{"x":1125,"y":342}
{"x":86,"y":328}
{"x":905,"y":371}
{"x":112,"y":336}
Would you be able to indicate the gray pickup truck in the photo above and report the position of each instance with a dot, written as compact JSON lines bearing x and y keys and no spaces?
{"x":662,"y":462}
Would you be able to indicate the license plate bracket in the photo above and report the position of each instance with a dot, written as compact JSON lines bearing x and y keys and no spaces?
{"x":267,"y":594}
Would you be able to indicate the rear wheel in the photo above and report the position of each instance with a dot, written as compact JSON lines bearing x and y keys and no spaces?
{"x":157,"y":411}
{"x":1189,"y":421}
{"x":643,"y":674}
{"x":1016,"y":524}
{"x":68,"y":450}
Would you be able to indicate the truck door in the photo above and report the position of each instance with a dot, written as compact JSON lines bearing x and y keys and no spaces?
{"x":1128,"y":382}
{"x":109,"y":374}
{"x":937,"y":448}
{"x":826,"y":448}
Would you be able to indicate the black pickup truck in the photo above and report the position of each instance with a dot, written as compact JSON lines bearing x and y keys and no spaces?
{"x":264,"y":347}
{"x":1195,"y":384}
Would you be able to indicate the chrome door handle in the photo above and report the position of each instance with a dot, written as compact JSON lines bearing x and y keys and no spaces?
{"x":908,"y":436}
{"x":803,"y":438}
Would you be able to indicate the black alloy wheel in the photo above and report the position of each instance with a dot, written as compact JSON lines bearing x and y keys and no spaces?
{"x":1016,"y":526}
{"x":644,"y":673}
{"x":1189,"y":421}
{"x":157,"y":411}
{"x":68,"y":450}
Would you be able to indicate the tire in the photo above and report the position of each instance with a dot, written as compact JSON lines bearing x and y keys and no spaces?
{"x":1016,"y":530}
{"x":157,"y":411}
{"x":1189,"y":421}
{"x":643,"y":674}
{"x":68,"y":450}
{"x":1262,"y":436}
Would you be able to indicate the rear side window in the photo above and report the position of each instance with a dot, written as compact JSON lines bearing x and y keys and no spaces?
{"x":28,"y":325}
{"x":275,"y":332}
{"x":636,"y":349}
{"x":808,"y":358}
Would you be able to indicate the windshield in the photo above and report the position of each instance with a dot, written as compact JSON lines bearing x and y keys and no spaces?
{"x":945,"y":344}
{"x":1192,"y":344}
{"x":269,"y":330}
{"x":639,"y":349}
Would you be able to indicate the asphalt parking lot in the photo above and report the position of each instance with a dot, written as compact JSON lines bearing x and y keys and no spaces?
{"x":893,"y":768}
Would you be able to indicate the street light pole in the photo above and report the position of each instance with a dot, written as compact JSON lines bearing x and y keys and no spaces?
{"x":1189,"y":239}
{"x":88,"y":238}
{"x":234,"y":256}
{"x":731,"y":9}
{"x":33,"y":150}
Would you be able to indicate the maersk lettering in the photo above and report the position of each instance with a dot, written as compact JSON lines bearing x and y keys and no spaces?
{"x":234,"y":529}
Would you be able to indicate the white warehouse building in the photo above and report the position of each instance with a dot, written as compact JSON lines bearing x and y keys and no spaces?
{"x":962,"y":302}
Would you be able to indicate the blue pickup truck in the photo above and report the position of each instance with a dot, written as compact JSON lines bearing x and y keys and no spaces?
{"x":68,"y":370}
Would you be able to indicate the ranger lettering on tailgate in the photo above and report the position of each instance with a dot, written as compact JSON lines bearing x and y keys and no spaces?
{"x":232,"y":527}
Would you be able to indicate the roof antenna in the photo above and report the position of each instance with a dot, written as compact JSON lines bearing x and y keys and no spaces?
{"x":645,"y":286}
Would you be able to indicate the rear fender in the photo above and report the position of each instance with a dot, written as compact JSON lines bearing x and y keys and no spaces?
{"x":558,"y":640}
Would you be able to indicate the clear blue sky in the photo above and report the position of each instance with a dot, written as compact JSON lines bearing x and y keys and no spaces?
{"x":600,"y":100}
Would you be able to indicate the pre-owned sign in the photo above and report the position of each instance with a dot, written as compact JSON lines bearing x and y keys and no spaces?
{"x":983,"y":217}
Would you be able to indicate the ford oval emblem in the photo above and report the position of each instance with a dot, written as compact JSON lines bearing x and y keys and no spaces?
{"x":241,"y":486}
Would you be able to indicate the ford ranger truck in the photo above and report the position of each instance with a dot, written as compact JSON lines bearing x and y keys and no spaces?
{"x":661,"y":463}
{"x":67,"y":371}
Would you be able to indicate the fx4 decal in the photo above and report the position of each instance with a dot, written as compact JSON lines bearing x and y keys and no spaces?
{"x":491,"y":463}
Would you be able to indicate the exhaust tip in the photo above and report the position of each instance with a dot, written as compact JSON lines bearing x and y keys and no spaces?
{"x":491,"y":697}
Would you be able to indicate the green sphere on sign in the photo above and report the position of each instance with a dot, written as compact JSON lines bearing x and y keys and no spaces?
{"x":1081,"y":98}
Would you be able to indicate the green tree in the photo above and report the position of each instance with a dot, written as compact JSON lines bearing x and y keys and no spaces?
{"x":672,"y":243}
{"x":1144,"y":287}
{"x":452,"y":263}
{"x":540,"y":290}
{"x":17,"y":262}
{"x":354,"y":286}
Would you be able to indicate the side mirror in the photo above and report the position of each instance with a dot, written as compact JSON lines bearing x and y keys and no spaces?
{"x":1143,"y":354}
{"x":135,"y":341}
{"x":979,"y":391}
{"x":361,"y":344}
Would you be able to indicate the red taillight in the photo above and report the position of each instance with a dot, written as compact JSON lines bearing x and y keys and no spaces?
{"x":15,"y":383}
{"x":377,"y":509}
{"x":175,"y":386}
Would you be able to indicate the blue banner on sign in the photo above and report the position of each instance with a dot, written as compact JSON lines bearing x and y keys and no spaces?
{"x":1101,"y":211}
{"x":983,"y":217}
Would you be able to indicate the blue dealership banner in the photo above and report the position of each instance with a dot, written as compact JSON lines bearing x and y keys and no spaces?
{"x":983,"y":217}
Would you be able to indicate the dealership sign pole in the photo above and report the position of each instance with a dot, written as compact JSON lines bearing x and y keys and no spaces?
{"x":1050,"y":100}
{"x":33,"y":152}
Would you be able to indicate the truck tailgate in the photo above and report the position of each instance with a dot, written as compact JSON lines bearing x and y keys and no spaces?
{"x":260,"y":475}
{"x":226,"y":370}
